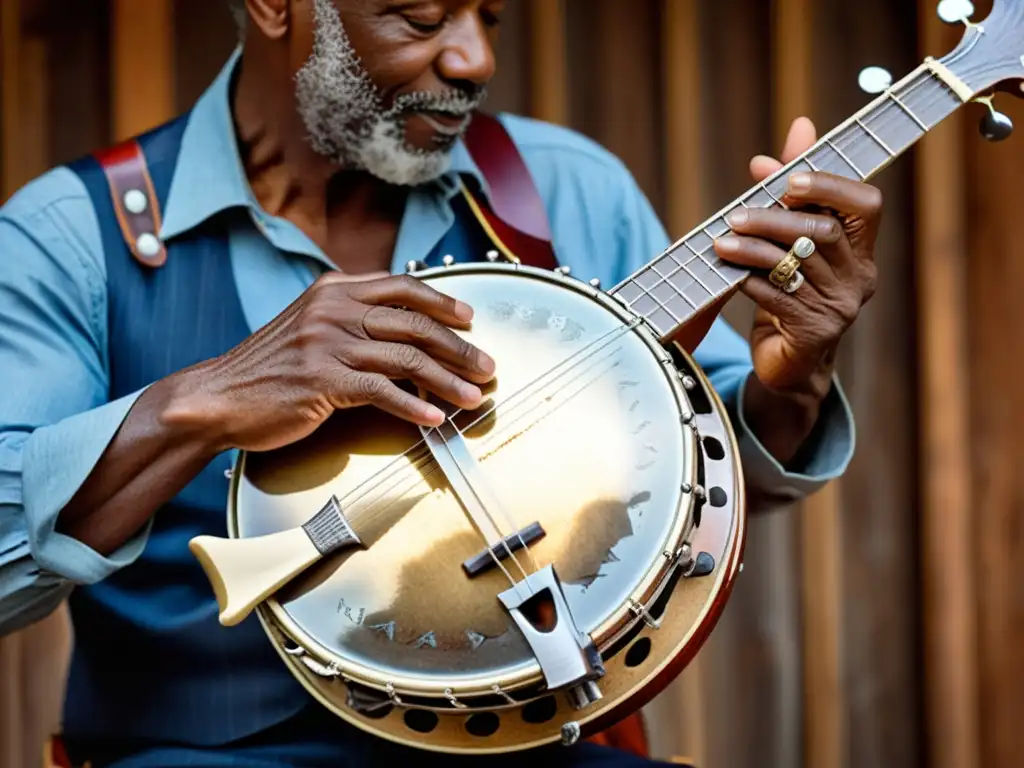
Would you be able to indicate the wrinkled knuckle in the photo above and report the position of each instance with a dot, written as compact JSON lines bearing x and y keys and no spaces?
{"x":466,"y":351}
{"x":406,"y":359}
{"x":370,"y":387}
{"x":421,"y":327}
{"x":846,"y":308}
{"x":407,"y":283}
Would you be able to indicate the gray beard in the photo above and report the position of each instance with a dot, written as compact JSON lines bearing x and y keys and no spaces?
{"x":345,"y":118}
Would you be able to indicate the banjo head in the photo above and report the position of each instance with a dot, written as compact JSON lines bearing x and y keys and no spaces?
{"x":588,"y":436}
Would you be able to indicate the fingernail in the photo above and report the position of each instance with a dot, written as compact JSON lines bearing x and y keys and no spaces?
{"x":737,"y":218}
{"x":433,"y":414}
{"x":486,"y":363}
{"x":727,"y":244}
{"x":471,"y":393}
{"x":463,"y":311}
{"x":799,"y":182}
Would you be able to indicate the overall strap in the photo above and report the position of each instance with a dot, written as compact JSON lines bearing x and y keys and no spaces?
{"x":515,"y":220}
{"x":133,"y":195}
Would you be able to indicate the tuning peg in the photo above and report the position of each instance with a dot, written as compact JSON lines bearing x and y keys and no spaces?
{"x":414,"y":266}
{"x":492,"y":256}
{"x":448,"y":260}
{"x":563,"y":270}
{"x":955,"y":11}
{"x":595,"y":282}
{"x":874,"y":79}
{"x":995,"y":126}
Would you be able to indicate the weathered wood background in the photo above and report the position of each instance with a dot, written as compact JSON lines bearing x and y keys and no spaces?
{"x":882,"y":623}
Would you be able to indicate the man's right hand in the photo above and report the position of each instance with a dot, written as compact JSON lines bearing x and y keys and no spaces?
{"x":341,"y":344}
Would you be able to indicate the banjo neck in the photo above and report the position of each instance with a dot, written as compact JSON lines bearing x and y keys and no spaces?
{"x":688,"y":277}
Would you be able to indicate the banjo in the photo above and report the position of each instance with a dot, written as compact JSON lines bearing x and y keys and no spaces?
{"x":534,"y":570}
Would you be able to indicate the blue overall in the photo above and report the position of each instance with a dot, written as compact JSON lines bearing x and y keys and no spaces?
{"x":150,"y":658}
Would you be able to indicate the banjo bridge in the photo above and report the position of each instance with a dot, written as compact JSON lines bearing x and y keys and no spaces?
{"x":489,"y":557}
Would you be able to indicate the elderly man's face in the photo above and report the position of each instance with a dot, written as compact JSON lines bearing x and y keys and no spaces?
{"x":389,"y":84}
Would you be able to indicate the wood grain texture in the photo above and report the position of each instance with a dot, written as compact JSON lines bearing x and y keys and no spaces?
{"x":142,"y":65}
{"x":948,"y":502}
{"x":877,"y":601}
{"x":549,"y":76}
{"x":819,"y":534}
{"x":752,"y":663}
{"x":994,"y":261}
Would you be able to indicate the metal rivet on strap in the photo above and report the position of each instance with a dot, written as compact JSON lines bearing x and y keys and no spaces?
{"x":135,"y":201}
{"x":148,"y":245}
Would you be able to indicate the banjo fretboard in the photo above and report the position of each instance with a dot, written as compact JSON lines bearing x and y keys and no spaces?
{"x":689,"y":276}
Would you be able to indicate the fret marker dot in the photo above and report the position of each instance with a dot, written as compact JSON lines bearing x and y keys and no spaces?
{"x":874,"y":79}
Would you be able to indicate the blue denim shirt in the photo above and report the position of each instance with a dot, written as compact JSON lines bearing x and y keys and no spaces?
{"x":55,"y":417}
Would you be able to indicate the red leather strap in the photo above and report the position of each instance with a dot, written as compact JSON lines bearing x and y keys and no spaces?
{"x":135,"y":202}
{"x":515,"y":215}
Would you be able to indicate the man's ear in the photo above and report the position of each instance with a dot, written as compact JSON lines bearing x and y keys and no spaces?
{"x":271,"y":17}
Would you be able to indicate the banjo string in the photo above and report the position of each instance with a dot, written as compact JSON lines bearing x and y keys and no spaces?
{"x":369,"y":511}
{"x":397,"y":465}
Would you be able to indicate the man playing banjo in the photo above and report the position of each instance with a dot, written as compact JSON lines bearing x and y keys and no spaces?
{"x":325,"y":157}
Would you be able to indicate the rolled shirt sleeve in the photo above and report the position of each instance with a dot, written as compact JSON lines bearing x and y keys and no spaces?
{"x":55,"y":421}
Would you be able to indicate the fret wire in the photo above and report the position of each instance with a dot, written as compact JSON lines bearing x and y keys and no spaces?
{"x":907,"y":109}
{"x":877,"y":110}
{"x":688,"y":272}
{"x":665,"y":279}
{"x":720,"y":275}
{"x":871,"y":133}
{"x":662,"y":279}
{"x":773,"y":197}
{"x":670,"y":312}
{"x":847,"y":160}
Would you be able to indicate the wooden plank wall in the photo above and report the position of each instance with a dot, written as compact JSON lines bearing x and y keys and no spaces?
{"x":880,"y":623}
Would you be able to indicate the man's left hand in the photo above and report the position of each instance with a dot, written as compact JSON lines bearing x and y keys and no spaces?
{"x":796,"y":334}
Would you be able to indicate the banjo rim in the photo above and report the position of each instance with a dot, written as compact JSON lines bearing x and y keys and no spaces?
{"x":619,"y":619}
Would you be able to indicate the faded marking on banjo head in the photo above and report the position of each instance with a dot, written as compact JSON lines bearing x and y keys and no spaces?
{"x":531,"y":318}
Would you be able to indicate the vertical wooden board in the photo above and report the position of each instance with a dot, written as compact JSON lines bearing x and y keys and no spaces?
{"x":995,"y":272}
{"x":795,"y":52}
{"x":80,"y":78}
{"x":876,"y":594}
{"x":948,"y":513}
{"x":752,"y":668}
{"x":548,"y":74}
{"x":204,"y":37}
{"x":510,"y":90}
{"x":614,"y":84}
{"x":142,"y":65}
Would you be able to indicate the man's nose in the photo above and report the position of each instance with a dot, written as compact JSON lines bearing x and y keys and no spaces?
{"x":468,"y":54}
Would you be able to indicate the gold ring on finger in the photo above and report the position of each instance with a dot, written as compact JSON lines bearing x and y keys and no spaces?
{"x":784,"y":270}
{"x":803,"y":248}
{"x":794,"y":283}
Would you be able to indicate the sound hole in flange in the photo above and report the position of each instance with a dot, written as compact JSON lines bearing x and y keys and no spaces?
{"x":421,"y":720}
{"x":540,"y":711}
{"x":638,"y":652}
{"x":483,"y":724}
{"x":717,"y":497}
{"x":713,"y":448}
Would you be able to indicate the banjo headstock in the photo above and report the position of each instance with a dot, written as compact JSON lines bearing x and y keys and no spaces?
{"x":989,"y":57}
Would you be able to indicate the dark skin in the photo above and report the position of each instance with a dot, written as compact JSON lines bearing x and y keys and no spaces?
{"x":343,"y":343}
